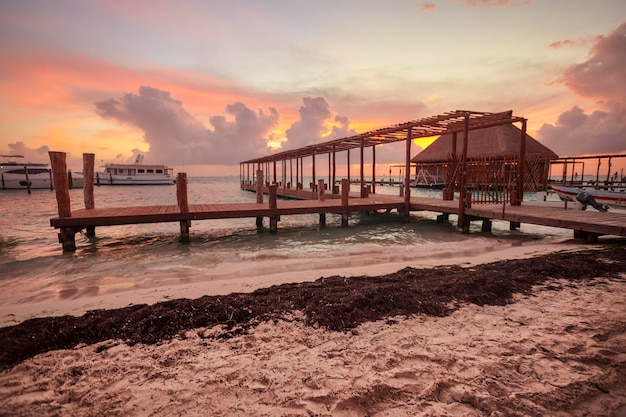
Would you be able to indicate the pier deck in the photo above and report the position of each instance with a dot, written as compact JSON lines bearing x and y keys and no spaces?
{"x":583,"y":223}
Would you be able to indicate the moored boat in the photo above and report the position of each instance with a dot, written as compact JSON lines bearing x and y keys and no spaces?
{"x":16,"y":175}
{"x":135,"y":174}
{"x":610,"y":198}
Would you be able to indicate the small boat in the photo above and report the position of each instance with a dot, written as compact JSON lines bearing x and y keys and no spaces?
{"x":135,"y":174}
{"x":610,"y":198}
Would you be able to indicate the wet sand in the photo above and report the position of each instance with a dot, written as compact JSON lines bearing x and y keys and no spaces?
{"x":535,"y":336}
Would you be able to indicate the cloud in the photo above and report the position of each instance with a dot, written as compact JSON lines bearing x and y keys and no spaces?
{"x":175,"y":136}
{"x":424,"y":8}
{"x":603,"y":78}
{"x":580,"y":42}
{"x":30,"y":155}
{"x":486,"y":4}
{"x":312,"y":126}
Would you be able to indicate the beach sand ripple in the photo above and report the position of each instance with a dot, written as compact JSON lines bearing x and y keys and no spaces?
{"x":532,"y":337}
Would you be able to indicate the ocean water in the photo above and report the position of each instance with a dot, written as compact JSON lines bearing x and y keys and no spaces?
{"x":33,"y":268}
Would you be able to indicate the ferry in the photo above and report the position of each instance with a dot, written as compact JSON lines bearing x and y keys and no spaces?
{"x":135,"y":174}
{"x":610,"y":198}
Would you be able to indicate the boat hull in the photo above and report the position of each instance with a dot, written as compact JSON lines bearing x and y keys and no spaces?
{"x":610,"y":198}
{"x":107,"y":179}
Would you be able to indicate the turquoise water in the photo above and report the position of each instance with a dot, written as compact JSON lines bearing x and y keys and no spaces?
{"x":33,"y":268}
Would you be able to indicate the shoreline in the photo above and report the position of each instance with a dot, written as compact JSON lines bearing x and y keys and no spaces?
{"x":263,"y":274}
{"x":534,"y":336}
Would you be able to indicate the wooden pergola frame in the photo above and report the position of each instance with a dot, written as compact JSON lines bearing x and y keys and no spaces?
{"x":454,"y":122}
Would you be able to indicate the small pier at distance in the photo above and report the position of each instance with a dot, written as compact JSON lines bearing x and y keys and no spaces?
{"x":323,"y":197}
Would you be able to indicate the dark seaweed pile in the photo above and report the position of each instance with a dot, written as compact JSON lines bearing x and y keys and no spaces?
{"x":335,"y":303}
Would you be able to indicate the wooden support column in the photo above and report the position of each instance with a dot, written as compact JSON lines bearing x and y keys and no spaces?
{"x":273,"y":205}
{"x":374,"y":169}
{"x":321,"y":192}
{"x":90,"y":204}
{"x":348,"y":164}
{"x":259,"y":195}
{"x":407,"y":175}
{"x":486,"y":226}
{"x":259,"y":186}
{"x":330,"y":174}
{"x":462,"y":223}
{"x":313,"y":180}
{"x":521,"y":163}
{"x":362,"y":170}
{"x":291,"y":172}
{"x":332,"y":184}
{"x":345,"y":197}
{"x":61,"y":187}
{"x":274,"y":171}
{"x":183,"y":205}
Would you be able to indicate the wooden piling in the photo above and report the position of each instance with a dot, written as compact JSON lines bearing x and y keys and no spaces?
{"x":259,"y":186}
{"x":61,"y":187}
{"x":183,"y":205}
{"x":88,"y":168}
{"x":273,"y":205}
{"x":321,"y":196}
{"x":345,"y":196}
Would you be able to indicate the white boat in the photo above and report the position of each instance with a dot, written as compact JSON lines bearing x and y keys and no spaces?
{"x":18,"y":175}
{"x":610,"y":198}
{"x":135,"y":174}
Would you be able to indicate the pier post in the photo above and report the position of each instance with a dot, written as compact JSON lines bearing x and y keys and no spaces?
{"x":345,"y":196}
{"x":183,"y":205}
{"x":321,"y":196}
{"x":486,"y":226}
{"x":88,"y":169}
{"x":61,"y":187}
{"x":259,"y":195}
{"x":259,"y":186}
{"x":273,"y":205}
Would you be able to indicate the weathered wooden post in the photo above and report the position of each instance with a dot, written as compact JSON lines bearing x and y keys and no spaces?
{"x":61,"y":187}
{"x":259,"y":195}
{"x":88,"y":168}
{"x":273,"y":205}
{"x":321,"y":193}
{"x":345,"y":196}
{"x":183,"y":205}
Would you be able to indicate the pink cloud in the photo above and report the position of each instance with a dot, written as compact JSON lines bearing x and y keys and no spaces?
{"x":580,"y":42}
{"x":603,"y":78}
{"x":485,"y":4}
{"x":424,"y":8}
{"x":177,"y":136}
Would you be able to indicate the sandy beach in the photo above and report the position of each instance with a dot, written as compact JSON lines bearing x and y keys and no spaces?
{"x":540,"y":335}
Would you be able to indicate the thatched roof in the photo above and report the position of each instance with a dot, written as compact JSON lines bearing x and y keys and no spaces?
{"x":496,"y":141}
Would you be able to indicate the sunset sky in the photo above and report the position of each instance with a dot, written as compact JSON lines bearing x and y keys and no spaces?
{"x":204,"y":84}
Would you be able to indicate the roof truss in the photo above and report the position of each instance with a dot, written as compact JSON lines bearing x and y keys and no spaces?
{"x":449,"y":122}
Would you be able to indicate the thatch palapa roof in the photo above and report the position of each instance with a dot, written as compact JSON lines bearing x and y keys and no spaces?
{"x":495,"y":142}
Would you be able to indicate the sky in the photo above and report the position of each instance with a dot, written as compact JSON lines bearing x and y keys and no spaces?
{"x":202,"y":85}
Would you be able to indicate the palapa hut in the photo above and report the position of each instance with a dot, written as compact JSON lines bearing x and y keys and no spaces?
{"x":492,"y":155}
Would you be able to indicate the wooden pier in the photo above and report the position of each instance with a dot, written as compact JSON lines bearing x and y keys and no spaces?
{"x":318,"y":198}
{"x":585,"y":224}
